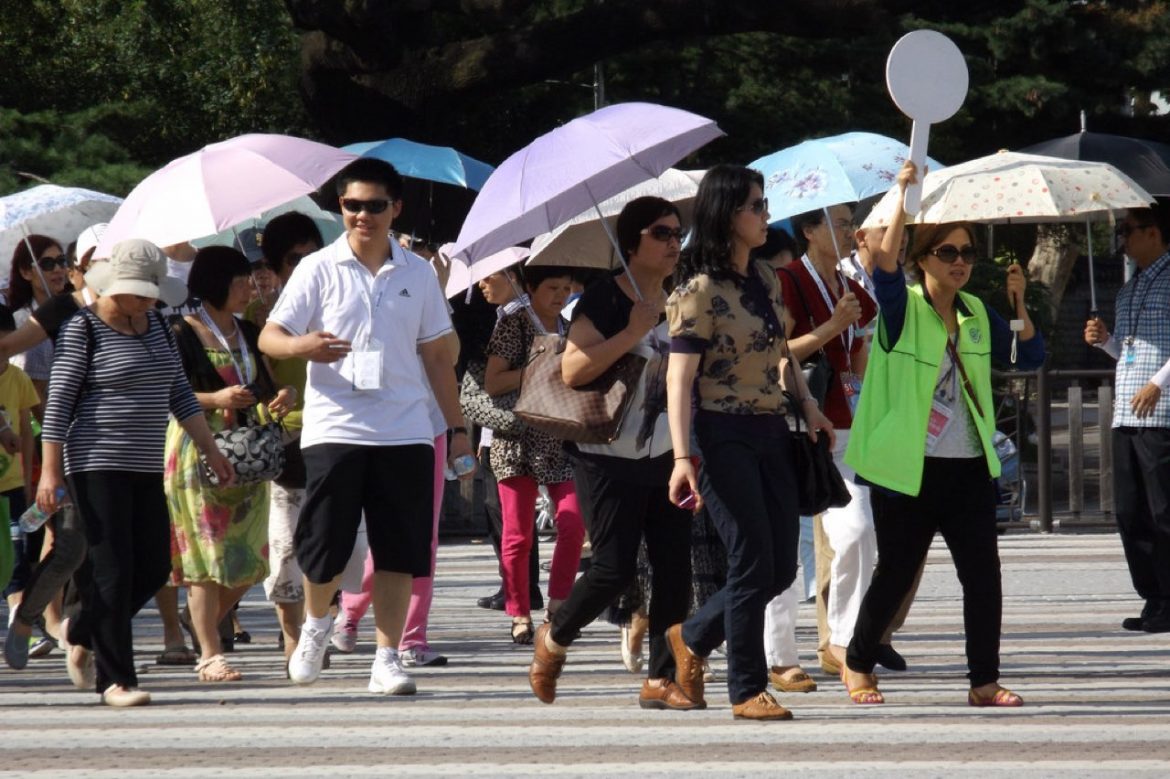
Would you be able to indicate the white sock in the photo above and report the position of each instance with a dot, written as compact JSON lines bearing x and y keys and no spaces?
{"x":320,"y":623}
{"x":387,"y":653}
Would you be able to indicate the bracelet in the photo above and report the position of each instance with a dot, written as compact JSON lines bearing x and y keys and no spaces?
{"x":457,"y":430}
{"x":684,"y":457}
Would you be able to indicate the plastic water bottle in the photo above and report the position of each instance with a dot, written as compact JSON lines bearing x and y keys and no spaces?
{"x":32,"y":519}
{"x":464,"y":465}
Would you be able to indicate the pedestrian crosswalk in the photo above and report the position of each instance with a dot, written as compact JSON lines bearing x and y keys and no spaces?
{"x":1097,"y":697}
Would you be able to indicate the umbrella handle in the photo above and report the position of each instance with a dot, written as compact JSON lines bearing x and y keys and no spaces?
{"x":36,"y":266}
{"x":614,"y":241}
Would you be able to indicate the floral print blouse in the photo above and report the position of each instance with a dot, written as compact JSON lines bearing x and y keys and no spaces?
{"x":735,"y":323}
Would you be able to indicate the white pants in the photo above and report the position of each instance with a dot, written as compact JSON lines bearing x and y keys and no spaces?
{"x":780,"y":627}
{"x":285,"y":582}
{"x":850,"y":533}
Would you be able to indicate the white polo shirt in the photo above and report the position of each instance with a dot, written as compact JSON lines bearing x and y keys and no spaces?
{"x":333,"y":292}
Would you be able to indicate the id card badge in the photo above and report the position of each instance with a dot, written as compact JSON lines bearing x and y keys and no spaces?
{"x":940,"y":417}
{"x":1130,"y":354}
{"x":851,"y":384}
{"x":367,"y":366}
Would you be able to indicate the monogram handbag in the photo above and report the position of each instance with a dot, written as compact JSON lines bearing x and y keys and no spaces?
{"x":591,"y":414}
{"x":255,"y":450}
{"x":494,"y":413}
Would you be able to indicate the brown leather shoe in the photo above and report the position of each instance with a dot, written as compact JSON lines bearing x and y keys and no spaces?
{"x":762,"y":707}
{"x":665,"y":694}
{"x":546,"y":667}
{"x":688,"y":668}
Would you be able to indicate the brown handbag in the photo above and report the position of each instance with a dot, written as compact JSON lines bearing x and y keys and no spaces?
{"x":591,"y":414}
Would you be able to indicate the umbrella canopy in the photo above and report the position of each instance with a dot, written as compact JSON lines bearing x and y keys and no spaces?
{"x":463,"y":276}
{"x":1146,"y":162}
{"x":328,"y":223}
{"x":1014,"y":187}
{"x":58,"y":212}
{"x":830,"y":171}
{"x":222,"y":185}
{"x":582,"y":242}
{"x":422,"y":161}
{"x":575,"y":167}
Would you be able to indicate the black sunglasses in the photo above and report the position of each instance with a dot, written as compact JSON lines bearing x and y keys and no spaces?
{"x":949,"y":254}
{"x":664,"y":233}
{"x":369,"y":206}
{"x":1125,"y":228}
{"x":48,"y":263}
{"x":757,"y":206}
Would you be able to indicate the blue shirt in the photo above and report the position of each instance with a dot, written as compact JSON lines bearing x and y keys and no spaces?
{"x":1143,"y":315}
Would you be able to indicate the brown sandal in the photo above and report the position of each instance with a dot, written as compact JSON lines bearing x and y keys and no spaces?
{"x":217,"y":669}
{"x":522,"y":632}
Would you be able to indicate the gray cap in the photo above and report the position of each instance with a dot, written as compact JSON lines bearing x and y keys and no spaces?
{"x":136,"y":267}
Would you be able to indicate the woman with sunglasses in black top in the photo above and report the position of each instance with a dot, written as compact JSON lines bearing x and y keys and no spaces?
{"x":29,"y":287}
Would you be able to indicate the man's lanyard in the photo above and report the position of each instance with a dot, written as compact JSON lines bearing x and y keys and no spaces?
{"x":1135,"y":315}
{"x":244,"y":375}
{"x":849,"y":334}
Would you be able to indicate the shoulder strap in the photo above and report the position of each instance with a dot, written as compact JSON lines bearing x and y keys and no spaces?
{"x":963,"y":373}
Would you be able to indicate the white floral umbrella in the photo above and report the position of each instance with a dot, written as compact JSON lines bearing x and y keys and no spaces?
{"x":58,"y":212}
{"x":1013,"y":187}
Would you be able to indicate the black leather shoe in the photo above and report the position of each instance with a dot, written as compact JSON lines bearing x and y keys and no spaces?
{"x":494,"y":602}
{"x":1159,"y":623}
{"x":1133,"y":623}
{"x":888,"y":658}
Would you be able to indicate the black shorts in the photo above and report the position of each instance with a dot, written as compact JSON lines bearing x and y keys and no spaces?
{"x":392,"y":484}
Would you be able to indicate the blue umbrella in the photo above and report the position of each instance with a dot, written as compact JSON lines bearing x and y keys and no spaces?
{"x":829,"y":171}
{"x":440,"y":185}
{"x":421,"y":161}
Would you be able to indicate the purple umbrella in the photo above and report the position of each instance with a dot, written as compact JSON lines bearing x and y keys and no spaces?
{"x":575,"y":167}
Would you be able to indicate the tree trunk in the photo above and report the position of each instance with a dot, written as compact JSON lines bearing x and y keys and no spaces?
{"x":1053,"y":260}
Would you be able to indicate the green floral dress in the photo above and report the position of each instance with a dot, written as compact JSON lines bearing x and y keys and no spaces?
{"x":217,"y":535}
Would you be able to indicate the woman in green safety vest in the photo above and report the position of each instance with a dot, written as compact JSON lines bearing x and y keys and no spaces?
{"x":922,"y":440}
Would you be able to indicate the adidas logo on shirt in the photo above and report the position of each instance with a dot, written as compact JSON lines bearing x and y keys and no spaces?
{"x":404,"y":293}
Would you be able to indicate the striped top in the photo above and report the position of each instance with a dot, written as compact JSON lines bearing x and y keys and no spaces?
{"x":110,"y":395}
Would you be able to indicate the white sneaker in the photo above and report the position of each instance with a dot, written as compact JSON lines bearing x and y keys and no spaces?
{"x":421,"y":655}
{"x":387,"y":675}
{"x":305,"y":664}
{"x":344,"y":635}
{"x":81,"y":672}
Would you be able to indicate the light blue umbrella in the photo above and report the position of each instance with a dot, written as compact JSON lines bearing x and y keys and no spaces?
{"x":422,"y":161}
{"x":829,"y":171}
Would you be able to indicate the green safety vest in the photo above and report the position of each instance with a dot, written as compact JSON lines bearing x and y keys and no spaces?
{"x":887,"y":443}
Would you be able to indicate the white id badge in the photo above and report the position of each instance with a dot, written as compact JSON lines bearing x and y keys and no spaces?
{"x":367,"y":366}
{"x":940,"y":417}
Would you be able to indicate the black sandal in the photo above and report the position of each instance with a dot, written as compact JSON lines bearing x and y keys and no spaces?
{"x":526,"y":635}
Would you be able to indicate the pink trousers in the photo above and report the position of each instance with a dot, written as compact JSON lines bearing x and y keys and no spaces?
{"x":518,"y":505}
{"x":414,"y":632}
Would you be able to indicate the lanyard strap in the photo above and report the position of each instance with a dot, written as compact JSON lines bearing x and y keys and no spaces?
{"x":963,"y":372}
{"x":847,"y":336}
{"x":244,"y":374}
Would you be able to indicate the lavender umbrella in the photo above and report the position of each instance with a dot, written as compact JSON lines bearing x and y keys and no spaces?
{"x":574,"y":168}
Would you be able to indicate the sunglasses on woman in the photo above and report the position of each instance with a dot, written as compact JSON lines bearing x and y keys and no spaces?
{"x":949,"y":254}
{"x":664,"y":233}
{"x":355,"y":206}
{"x":49,"y":263}
{"x":757,"y":206}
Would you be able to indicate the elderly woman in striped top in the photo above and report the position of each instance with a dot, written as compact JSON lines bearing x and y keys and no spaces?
{"x":116,"y":378}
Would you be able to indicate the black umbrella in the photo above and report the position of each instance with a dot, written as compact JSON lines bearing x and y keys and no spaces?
{"x":1146,"y":162}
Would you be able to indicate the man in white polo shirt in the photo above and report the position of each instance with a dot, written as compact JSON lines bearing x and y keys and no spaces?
{"x":370,"y":319}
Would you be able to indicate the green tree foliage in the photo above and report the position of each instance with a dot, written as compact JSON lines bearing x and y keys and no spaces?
{"x":130,"y":84}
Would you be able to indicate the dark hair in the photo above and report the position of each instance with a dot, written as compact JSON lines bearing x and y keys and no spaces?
{"x":369,"y":170}
{"x":532,"y":276}
{"x":925,"y":237}
{"x":810,"y":219}
{"x":283,"y":233}
{"x":722,"y":191}
{"x":212,"y":273}
{"x":637,"y":215}
{"x":20,"y":290}
{"x":7,"y":320}
{"x":1157,"y":215}
{"x":778,"y":240}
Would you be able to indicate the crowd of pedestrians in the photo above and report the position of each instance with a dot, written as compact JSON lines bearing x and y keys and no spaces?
{"x":138,"y":360}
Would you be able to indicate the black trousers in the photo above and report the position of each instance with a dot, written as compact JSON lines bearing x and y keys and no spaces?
{"x":748,"y":484}
{"x":495,"y":525}
{"x":129,"y":534}
{"x":1141,"y":498}
{"x":617,"y":515}
{"x":958,"y":500}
